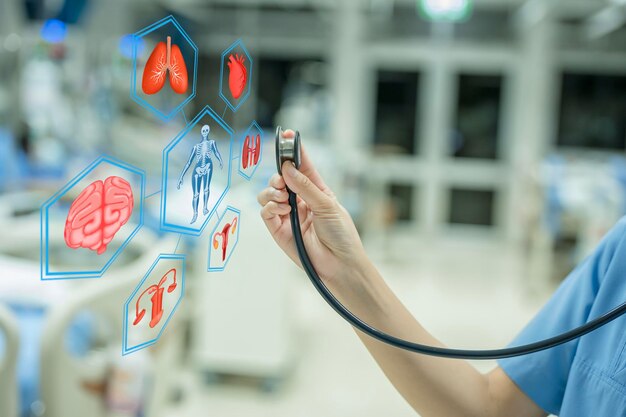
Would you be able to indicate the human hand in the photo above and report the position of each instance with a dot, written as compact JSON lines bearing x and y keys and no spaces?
{"x":329,"y":234}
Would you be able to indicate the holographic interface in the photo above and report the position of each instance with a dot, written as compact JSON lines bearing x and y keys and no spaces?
{"x":96,"y":214}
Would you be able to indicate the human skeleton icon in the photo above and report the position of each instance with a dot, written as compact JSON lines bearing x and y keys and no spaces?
{"x":203,"y":154}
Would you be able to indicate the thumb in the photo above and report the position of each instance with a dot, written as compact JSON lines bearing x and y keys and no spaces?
{"x":306,"y":189}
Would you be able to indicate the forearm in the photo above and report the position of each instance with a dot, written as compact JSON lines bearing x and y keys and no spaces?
{"x":433,"y":386}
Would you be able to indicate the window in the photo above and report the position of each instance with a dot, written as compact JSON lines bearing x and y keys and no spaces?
{"x":396,"y":106}
{"x":283,"y":78}
{"x":476,"y":124}
{"x":401,"y":199}
{"x":470,"y":206}
{"x":593,"y":111}
{"x":207,"y":86}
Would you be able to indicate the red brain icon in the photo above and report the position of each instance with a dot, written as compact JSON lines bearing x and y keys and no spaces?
{"x":98,"y":213}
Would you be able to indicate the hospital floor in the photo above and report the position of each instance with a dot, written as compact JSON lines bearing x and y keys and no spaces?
{"x":467,"y":294}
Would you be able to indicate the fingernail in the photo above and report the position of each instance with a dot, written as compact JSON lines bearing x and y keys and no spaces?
{"x":289,"y":169}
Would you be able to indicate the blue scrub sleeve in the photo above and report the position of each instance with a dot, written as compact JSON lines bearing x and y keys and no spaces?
{"x":543,"y":375}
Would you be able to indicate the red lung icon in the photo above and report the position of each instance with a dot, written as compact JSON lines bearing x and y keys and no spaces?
{"x":157,"y":291}
{"x":238,"y":75}
{"x":223,"y":235}
{"x":164,"y":59}
{"x":98,"y":213}
{"x":251,"y":151}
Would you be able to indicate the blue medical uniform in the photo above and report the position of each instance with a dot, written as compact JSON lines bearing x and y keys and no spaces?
{"x":585,"y":377}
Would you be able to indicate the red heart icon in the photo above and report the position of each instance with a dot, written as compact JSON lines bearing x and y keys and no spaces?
{"x":165,"y":59}
{"x":238,"y":76}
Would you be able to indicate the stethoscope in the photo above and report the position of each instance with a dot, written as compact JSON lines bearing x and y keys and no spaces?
{"x":289,"y":150}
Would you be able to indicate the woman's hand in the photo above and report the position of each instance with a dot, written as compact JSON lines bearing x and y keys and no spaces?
{"x":329,"y":235}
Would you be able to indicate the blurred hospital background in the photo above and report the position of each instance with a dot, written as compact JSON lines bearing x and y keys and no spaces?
{"x":478,"y":144}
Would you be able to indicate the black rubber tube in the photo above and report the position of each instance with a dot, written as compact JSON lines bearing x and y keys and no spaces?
{"x":425,"y":349}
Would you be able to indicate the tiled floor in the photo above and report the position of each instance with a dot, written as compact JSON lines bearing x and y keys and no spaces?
{"x":468,"y":295}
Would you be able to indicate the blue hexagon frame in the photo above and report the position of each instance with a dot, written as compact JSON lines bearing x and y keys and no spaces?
{"x":133,"y":88}
{"x":46,"y":274}
{"x":221,"y":268}
{"x":177,"y":228}
{"x":253,"y":125}
{"x":126,"y":349}
{"x":244,"y":97}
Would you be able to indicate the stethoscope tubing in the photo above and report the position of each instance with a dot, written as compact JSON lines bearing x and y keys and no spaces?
{"x":443,"y":352}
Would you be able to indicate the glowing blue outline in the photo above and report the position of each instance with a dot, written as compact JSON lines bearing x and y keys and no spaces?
{"x":241,"y":172}
{"x":125,"y":350}
{"x":45,"y":273}
{"x":207,"y":110}
{"x":223,"y":267}
{"x":133,"y":78}
{"x":242,"y":99}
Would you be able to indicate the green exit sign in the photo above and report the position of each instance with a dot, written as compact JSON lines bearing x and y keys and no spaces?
{"x":446,"y":10}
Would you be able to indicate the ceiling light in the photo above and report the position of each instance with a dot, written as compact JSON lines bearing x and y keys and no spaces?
{"x":447,"y":10}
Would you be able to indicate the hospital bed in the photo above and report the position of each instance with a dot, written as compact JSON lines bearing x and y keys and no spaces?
{"x":8,"y":358}
{"x":67,"y":375}
{"x":65,"y":378}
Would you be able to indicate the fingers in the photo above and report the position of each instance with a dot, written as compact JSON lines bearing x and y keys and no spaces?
{"x":273,"y":209}
{"x":297,"y":181}
{"x":289,"y":134}
{"x":277,"y":182}
{"x":274,"y":204}
{"x":307,"y":168}
{"x":272,"y":194}
{"x":306,"y":165}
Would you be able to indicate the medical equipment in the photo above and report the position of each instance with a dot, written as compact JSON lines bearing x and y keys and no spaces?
{"x":289,"y":150}
{"x":9,"y":350}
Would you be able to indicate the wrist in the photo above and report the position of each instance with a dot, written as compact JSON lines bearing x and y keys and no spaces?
{"x":360,"y":287}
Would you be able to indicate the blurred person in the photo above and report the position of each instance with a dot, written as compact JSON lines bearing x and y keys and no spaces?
{"x":584,"y":377}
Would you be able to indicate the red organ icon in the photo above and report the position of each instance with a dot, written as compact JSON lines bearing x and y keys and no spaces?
{"x":251,"y":151}
{"x":157,"y":291}
{"x":223,"y":235}
{"x":165,"y":59}
{"x":98,"y":213}
{"x":238,"y":75}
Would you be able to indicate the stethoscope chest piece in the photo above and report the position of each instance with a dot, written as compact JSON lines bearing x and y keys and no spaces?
{"x":287,"y":149}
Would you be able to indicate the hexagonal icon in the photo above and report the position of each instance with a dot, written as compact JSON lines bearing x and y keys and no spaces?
{"x":235,"y":88}
{"x":88,"y":223}
{"x":224,"y":238}
{"x":152,"y":304}
{"x":250,"y":151}
{"x":196,"y":173}
{"x":165,"y":66}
